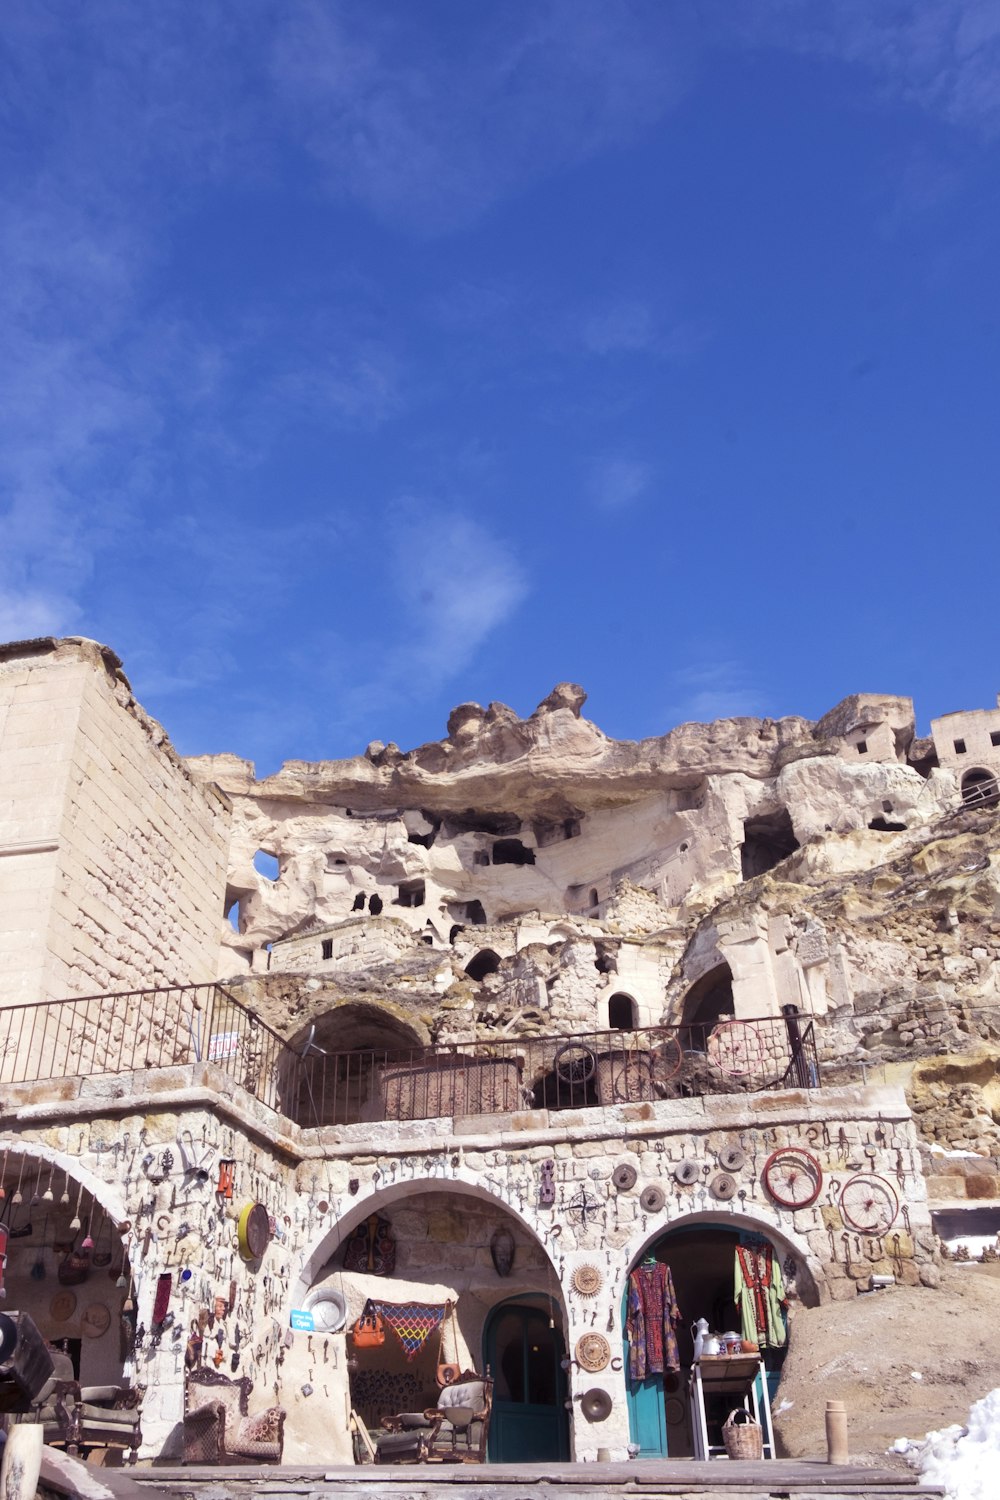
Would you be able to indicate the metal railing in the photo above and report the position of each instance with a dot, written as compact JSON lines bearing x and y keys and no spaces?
{"x":557,"y":1072}
{"x":137,"y":1030}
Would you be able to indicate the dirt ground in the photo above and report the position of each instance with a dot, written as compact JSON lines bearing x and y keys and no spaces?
{"x":865,"y":1353}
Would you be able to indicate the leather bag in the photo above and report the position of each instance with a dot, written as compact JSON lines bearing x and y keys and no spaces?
{"x":448,"y":1372}
{"x":369,"y":1331}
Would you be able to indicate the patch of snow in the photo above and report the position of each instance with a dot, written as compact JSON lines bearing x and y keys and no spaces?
{"x":963,"y":1460}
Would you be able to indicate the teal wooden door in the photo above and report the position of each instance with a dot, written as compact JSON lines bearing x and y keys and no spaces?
{"x":647,"y":1413}
{"x":529,"y":1422}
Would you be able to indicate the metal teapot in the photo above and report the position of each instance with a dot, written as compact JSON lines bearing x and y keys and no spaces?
{"x":704,"y":1341}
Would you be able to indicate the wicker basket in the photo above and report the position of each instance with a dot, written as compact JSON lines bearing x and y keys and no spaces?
{"x":743,"y":1439}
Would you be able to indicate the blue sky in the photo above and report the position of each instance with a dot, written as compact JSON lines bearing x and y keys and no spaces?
{"x":363,"y":358}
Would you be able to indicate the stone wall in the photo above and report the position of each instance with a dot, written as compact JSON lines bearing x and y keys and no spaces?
{"x":116,"y":855}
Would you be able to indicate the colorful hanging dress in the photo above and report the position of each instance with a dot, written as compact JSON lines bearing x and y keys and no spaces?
{"x":760,"y":1295}
{"x":651,"y":1322}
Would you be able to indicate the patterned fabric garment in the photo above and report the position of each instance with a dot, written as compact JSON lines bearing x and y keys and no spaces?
{"x":651,"y":1322}
{"x":760,"y":1295}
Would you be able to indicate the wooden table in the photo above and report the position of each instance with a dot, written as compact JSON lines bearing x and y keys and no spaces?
{"x":732,"y":1375}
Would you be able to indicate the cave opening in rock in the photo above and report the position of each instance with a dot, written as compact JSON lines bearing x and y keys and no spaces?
{"x":485,"y":962}
{"x":980,"y":788}
{"x":767,"y":840}
{"x":512,"y":852}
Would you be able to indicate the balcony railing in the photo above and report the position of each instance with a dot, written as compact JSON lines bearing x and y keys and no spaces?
{"x":140,"y":1030}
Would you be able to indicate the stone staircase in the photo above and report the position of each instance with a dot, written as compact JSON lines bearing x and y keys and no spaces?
{"x":783,"y":1479}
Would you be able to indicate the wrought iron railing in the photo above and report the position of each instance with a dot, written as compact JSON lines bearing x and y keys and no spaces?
{"x":138,"y":1030}
{"x":558,"y":1072}
{"x":135,"y":1030}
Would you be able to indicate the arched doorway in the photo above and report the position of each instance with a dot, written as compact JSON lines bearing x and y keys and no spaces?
{"x":703,"y":1261}
{"x":980,"y":788}
{"x":524,"y":1350}
{"x":340,"y":1062}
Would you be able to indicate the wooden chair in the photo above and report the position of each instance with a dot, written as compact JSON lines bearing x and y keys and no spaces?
{"x":217,"y":1428}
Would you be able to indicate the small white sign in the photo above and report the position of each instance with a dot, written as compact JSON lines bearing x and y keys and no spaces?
{"x":223,"y":1044}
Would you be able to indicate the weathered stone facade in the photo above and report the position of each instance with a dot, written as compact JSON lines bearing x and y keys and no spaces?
{"x":801,"y":920}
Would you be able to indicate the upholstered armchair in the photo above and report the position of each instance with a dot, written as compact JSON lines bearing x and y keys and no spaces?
{"x":455,"y":1430}
{"x":217,"y":1429}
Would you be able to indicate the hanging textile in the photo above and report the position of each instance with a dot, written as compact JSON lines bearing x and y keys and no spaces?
{"x":411,"y":1322}
{"x":760,"y":1295}
{"x":651,"y":1322}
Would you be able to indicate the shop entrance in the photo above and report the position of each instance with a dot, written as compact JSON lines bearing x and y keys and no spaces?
{"x":702,"y":1261}
{"x":524,"y":1353}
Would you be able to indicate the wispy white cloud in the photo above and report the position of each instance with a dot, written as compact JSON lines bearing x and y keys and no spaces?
{"x":617,"y":482}
{"x":713,"y":690}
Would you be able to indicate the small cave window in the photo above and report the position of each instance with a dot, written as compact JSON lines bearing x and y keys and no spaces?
{"x":480,"y":857}
{"x":622,"y":1013}
{"x":326,"y":947}
{"x":593,"y":897}
{"x":862,"y":747}
{"x":267,"y":864}
{"x":959,"y":747}
{"x":995,"y":736}
{"x":512,"y":852}
{"x":232,"y":911}
{"x":359,"y":902}
{"x":475,"y":913}
{"x":708,"y":1001}
{"x":335,"y":861}
{"x":410,"y":893}
{"x":980,"y":788}
{"x":886,"y":825}
{"x":485,"y":962}
{"x":766,"y":842}
{"x":375,"y":905}
{"x":453,"y":934}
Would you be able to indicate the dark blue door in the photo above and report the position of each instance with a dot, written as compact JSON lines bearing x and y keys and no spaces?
{"x":529,"y":1423}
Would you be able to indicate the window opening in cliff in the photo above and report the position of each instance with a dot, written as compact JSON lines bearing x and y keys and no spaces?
{"x":359,"y":902}
{"x":980,"y":788}
{"x":326,"y":947}
{"x":995,"y":736}
{"x":267,"y":864}
{"x":767,"y":841}
{"x":335,"y":861}
{"x":512,"y":852}
{"x":485,"y":962}
{"x":593,"y":897}
{"x":232,"y":910}
{"x":453,"y":934}
{"x":480,"y":857}
{"x":375,"y":905}
{"x":410,"y":893}
{"x":622,"y":1013}
{"x":469,"y":911}
{"x":862,"y":747}
{"x":886,"y":825}
{"x":959,"y":747}
{"x":710,"y":999}
{"x":555,"y":833}
{"x":471,"y":821}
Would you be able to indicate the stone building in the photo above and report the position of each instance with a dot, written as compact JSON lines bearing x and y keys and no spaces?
{"x":480,"y":1026}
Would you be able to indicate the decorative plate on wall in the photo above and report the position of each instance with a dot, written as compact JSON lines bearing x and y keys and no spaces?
{"x":587,"y":1280}
{"x":95,"y":1321}
{"x":62,"y":1306}
{"x":328,"y":1308}
{"x":686,"y":1171}
{"x":593,"y":1352}
{"x":732,"y":1158}
{"x":596,"y":1405}
{"x":722,"y":1187}
{"x":652,"y":1199}
{"x":624,"y":1177}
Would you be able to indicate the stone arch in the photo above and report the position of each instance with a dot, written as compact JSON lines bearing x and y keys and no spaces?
{"x":623,"y":1011}
{"x":980,"y":788}
{"x":709,"y":1000}
{"x":486,"y":961}
{"x":811,"y":1283}
{"x":338,"y":1056}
